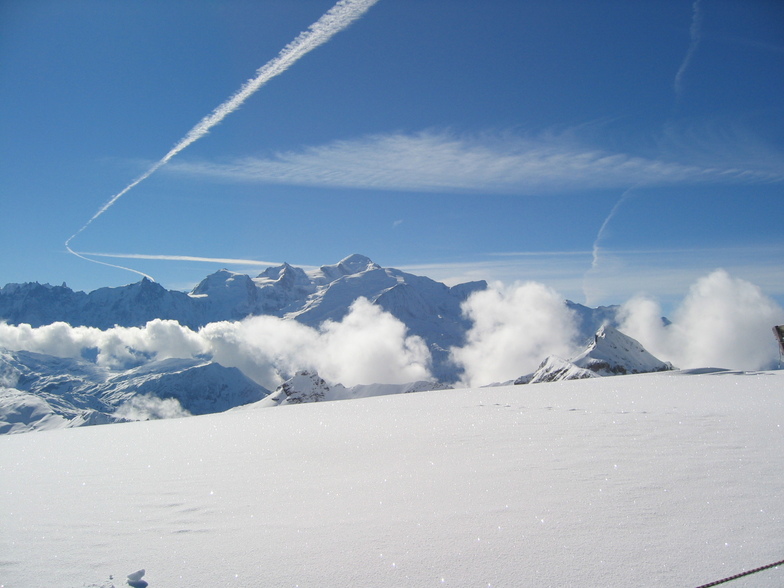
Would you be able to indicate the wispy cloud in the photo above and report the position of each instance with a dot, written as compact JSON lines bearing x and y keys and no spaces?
{"x":558,"y":269}
{"x":695,"y":33}
{"x":114,"y":265}
{"x":433,"y":161}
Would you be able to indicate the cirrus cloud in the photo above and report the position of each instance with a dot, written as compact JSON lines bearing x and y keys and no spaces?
{"x":432,"y":161}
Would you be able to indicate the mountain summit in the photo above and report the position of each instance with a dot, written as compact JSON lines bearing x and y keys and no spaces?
{"x":610,"y":353}
{"x":613,"y":353}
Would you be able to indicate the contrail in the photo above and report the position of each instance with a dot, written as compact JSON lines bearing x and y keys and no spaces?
{"x":694,"y":34}
{"x":226,"y":260}
{"x":332,"y":22}
{"x":600,"y":235}
{"x":82,"y":256}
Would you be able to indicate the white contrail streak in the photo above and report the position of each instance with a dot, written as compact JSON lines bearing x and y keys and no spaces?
{"x":82,"y":256}
{"x":226,"y":260}
{"x":332,"y":22}
{"x":599,"y":237}
{"x":694,"y":34}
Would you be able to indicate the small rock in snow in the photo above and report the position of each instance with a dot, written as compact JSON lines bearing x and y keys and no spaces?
{"x":135,"y":579}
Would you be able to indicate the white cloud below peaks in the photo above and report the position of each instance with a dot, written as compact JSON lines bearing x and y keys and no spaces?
{"x":723,"y":322}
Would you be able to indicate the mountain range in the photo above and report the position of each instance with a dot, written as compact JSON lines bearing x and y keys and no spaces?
{"x":42,"y":391}
{"x":428,"y":308}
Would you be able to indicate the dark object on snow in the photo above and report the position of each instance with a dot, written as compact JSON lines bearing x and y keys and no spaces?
{"x":778,"y":332}
{"x":135,"y":580}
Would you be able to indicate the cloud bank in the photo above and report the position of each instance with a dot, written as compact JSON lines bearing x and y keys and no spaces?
{"x":722,"y":322}
{"x":115,"y":348}
{"x":367,"y":346}
{"x":443,"y":162}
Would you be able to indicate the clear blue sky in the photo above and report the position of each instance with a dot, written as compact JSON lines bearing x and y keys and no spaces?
{"x":460,"y":139}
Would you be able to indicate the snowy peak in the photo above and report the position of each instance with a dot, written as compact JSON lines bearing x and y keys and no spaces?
{"x":349,"y":266}
{"x":284,"y":275}
{"x":219,"y":282}
{"x":144,"y":291}
{"x":132,"y":305}
{"x":613,"y":353}
{"x":227,"y":295}
{"x":356,"y":263}
{"x":308,"y":386}
{"x":555,"y":369}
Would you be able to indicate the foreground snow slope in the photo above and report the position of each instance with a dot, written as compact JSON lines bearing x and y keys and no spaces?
{"x":661,"y":479}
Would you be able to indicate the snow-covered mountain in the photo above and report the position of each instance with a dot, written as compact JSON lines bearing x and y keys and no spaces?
{"x":128,"y":306}
{"x":555,"y":369}
{"x":308,"y":386}
{"x":610,"y":353}
{"x":39,"y":392}
{"x":428,"y":308}
{"x":613,"y":353}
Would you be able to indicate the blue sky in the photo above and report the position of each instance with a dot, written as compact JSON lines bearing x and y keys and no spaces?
{"x":604,"y":148}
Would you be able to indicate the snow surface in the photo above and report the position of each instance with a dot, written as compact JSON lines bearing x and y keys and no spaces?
{"x":665,"y":479}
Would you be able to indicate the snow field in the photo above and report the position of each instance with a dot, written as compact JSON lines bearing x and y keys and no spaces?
{"x":661,"y":479}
